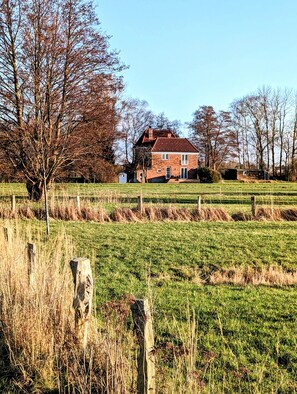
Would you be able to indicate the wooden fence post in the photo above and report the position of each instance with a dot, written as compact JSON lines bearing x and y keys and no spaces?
{"x":32,"y":253}
{"x":13,"y":203}
{"x":140,"y":203}
{"x":83,"y":295}
{"x":8,"y":235}
{"x":78,"y":202}
{"x":146,"y":359}
{"x":199,"y":203}
{"x":254,"y":206}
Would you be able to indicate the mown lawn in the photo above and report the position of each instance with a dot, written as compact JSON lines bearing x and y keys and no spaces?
{"x":246,"y":336}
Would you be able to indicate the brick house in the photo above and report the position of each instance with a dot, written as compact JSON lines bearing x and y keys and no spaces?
{"x":161,"y":156}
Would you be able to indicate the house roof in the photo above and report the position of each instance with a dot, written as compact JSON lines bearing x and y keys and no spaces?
{"x":150,"y":135}
{"x":165,"y":144}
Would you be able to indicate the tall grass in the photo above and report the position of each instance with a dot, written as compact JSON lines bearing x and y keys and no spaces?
{"x":183,"y":377}
{"x":70,"y":210}
{"x":37,"y":333}
{"x":267,"y":276}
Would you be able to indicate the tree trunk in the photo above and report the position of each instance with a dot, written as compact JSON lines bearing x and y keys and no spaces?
{"x":35,"y":189}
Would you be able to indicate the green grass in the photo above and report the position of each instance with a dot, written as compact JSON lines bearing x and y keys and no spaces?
{"x":168,"y":247}
{"x":232,"y":196}
{"x":132,"y":189}
{"x":246,"y":336}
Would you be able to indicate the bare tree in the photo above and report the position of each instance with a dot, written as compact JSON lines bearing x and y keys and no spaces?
{"x":161,"y":121}
{"x":53,"y":59}
{"x":135,"y":119}
{"x":214,"y":136}
{"x":265,"y":119}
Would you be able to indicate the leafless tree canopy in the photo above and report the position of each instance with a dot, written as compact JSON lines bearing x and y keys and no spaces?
{"x":57,"y":78}
{"x":266,"y":124}
{"x":214,"y":135}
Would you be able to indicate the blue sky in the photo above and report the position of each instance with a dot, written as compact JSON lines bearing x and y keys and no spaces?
{"x":187,"y":53}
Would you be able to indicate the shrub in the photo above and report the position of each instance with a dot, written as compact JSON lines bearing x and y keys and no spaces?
{"x":207,"y":175}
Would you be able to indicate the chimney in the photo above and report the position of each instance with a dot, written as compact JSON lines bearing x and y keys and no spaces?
{"x":150,"y":133}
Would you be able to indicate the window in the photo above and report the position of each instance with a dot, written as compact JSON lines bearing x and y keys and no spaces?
{"x":159,"y":171}
{"x":184,"y":173}
{"x":165,"y":156}
{"x":168,"y":172}
{"x":184,"y":159}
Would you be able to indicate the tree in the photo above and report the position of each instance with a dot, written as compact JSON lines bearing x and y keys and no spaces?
{"x":135,"y":119}
{"x":266,"y":128}
{"x":214,"y":136}
{"x":53,"y":61}
{"x":161,"y":121}
{"x":97,"y":136}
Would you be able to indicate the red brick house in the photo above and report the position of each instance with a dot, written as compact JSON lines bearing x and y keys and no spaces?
{"x":162,"y":156}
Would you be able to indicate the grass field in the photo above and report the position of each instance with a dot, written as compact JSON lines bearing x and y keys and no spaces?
{"x":239,"y":338}
{"x":245,"y":335}
{"x":232,"y":196}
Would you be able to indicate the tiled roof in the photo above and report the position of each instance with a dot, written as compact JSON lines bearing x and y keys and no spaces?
{"x":150,"y":136}
{"x":173,"y":145}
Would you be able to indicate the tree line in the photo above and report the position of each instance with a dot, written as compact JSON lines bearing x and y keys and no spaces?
{"x":259,"y":131}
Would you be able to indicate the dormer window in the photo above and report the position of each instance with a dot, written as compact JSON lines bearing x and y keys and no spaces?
{"x":165,"y":156}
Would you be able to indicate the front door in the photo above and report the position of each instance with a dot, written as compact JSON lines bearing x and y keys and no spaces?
{"x":168,"y":172}
{"x":184,"y":173}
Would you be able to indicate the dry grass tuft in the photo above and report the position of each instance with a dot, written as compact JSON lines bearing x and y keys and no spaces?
{"x":212,"y":214}
{"x":6,"y":213}
{"x":289,"y":214}
{"x":242,"y":216}
{"x":125,"y":215}
{"x":153,"y":214}
{"x":268,"y":214}
{"x":269,"y":276}
{"x":69,"y":210}
{"x":26,"y":212}
{"x":37,"y":328}
{"x":185,"y":214}
{"x":276,"y":214}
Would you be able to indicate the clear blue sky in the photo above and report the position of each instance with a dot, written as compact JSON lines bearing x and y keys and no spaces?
{"x":187,"y":53}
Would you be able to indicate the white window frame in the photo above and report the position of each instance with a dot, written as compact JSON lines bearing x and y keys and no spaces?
{"x":185,"y":171}
{"x":168,"y":173}
{"x":165,"y":156}
{"x":184,"y":159}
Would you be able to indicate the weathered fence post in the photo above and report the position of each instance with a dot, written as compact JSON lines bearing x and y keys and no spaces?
{"x":78,"y":202}
{"x":146,"y":383}
{"x":254,"y":206}
{"x":82,"y":299}
{"x":199,"y":203}
{"x":31,"y":250}
{"x":140,"y":203}
{"x":13,"y":203}
{"x":7,"y":235}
